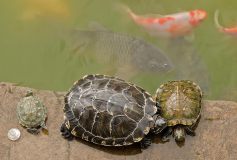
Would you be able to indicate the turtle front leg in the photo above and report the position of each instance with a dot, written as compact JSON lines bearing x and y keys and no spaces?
{"x":65,"y":132}
{"x":145,"y":142}
{"x":33,"y":130}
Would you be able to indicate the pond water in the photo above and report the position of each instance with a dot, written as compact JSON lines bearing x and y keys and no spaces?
{"x":36,"y":49}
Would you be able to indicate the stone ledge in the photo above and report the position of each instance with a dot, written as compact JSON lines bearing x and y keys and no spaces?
{"x":215,"y":139}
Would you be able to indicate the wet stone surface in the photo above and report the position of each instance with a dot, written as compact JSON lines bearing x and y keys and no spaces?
{"x":215,"y":135}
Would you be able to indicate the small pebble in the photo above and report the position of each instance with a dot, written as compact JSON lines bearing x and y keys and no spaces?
{"x":14,"y":134}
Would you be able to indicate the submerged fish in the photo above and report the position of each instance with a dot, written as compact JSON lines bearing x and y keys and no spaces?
{"x":173,"y":25}
{"x":123,"y":51}
{"x":231,"y":31}
{"x":188,"y":63}
{"x":45,"y":8}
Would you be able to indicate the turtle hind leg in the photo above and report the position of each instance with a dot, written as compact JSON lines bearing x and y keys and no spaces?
{"x":166,"y":134}
{"x":190,"y":131}
{"x":145,"y":142}
{"x":65,"y":132}
{"x":33,"y":130}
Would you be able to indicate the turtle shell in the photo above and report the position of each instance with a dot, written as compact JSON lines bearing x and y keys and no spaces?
{"x":180,"y":102}
{"x":108,"y":111}
{"x":31,"y":112}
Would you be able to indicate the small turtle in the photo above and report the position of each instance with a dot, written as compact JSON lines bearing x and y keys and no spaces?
{"x":32,"y":113}
{"x":180,"y":103}
{"x":110,"y":111}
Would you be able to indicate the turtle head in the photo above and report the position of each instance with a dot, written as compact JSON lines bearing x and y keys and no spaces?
{"x":160,"y":124}
{"x":29,"y":93}
{"x":179,"y":133}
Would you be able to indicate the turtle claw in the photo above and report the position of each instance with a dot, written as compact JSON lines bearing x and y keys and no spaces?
{"x":145,"y":143}
{"x":189,"y":131}
{"x":65,"y":132}
{"x":159,"y":130}
{"x":166,"y":134}
{"x":165,"y":139}
{"x":33,"y":130}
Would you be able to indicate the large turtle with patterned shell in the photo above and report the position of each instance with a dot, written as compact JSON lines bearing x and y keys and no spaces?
{"x":109,"y":111}
{"x":180,"y":103}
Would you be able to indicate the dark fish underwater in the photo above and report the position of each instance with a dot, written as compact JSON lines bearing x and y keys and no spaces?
{"x":125,"y":52}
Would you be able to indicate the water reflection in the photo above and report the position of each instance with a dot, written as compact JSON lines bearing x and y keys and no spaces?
{"x":188,"y":63}
{"x":31,"y":51}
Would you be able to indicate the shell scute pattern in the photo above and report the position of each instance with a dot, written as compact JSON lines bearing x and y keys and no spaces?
{"x":101,"y":127}
{"x":138,"y":135}
{"x":149,"y":110}
{"x":116,"y":104}
{"x":87,"y":136}
{"x":180,"y":102}
{"x":85,"y":117}
{"x":31,"y":112}
{"x":133,"y":111}
{"x":117,"y":85}
{"x":134,"y":92}
{"x":101,"y":100}
{"x":108,"y":111}
{"x":100,"y":83}
{"x":78,"y":131}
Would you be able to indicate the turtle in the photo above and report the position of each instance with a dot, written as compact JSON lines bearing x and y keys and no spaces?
{"x":180,"y":103}
{"x":32,"y":113}
{"x":110,"y":111}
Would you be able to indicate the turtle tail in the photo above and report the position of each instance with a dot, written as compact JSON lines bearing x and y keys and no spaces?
{"x":45,"y":129}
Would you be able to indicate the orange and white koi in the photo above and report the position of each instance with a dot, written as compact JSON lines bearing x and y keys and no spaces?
{"x":231,"y":30}
{"x":173,"y":25}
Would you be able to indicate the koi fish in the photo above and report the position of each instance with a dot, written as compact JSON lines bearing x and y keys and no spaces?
{"x":230,"y":31}
{"x":44,"y":8}
{"x":173,"y":25}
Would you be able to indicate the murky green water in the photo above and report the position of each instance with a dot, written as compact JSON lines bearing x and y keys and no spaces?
{"x":34,"y":51}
